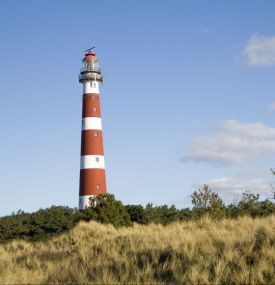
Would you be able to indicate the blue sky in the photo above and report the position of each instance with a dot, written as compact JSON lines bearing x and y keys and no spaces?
{"x":187,"y":99}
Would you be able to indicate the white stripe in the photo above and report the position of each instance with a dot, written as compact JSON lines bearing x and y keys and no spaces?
{"x":84,"y":201}
{"x":92,"y":161}
{"x":91,"y":123}
{"x":90,"y":87}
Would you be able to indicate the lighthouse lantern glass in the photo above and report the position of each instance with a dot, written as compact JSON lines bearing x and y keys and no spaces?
{"x":91,"y":65}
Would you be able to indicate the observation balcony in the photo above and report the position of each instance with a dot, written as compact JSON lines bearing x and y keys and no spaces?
{"x":90,"y":75}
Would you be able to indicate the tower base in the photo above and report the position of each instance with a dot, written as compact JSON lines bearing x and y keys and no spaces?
{"x":84,"y":201}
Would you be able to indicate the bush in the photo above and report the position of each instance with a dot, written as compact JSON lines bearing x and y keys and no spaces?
{"x":107,"y":211}
{"x":137,"y":214}
{"x":37,"y":226}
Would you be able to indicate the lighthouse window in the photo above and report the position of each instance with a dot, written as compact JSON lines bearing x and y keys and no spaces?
{"x":97,"y":186}
{"x":95,"y":134}
{"x":97,"y":159}
{"x":94,"y":109}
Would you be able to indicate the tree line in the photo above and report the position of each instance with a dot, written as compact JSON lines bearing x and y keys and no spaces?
{"x":105,"y":209}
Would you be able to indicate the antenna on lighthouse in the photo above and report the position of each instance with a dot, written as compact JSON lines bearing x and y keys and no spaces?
{"x":89,"y":49}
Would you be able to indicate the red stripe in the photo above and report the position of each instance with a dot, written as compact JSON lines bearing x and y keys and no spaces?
{"x":92,"y":182}
{"x":91,"y":105}
{"x":91,"y":142}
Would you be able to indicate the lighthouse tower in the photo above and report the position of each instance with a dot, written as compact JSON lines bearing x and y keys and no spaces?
{"x":92,"y":167}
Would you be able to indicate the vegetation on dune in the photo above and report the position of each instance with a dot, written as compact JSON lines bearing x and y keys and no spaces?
{"x":37,"y":226}
{"x":204,"y":251}
{"x":46,"y":223}
{"x":107,"y":210}
{"x":112,"y":243}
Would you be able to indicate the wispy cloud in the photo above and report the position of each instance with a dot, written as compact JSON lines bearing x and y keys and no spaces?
{"x":231,"y":188}
{"x":260,"y":50}
{"x":234,"y":142}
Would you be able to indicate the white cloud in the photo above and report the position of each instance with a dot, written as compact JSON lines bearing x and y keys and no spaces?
{"x":260,"y":50}
{"x":230,"y":188}
{"x":233,"y":143}
{"x":271,"y":107}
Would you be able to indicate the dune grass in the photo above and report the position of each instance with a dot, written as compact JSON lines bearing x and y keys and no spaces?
{"x":199,"y":252}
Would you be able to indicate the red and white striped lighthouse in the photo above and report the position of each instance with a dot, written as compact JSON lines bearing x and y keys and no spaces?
{"x":92,"y":166}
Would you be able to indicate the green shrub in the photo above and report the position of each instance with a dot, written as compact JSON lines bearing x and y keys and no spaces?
{"x":107,"y":210}
{"x":37,"y":226}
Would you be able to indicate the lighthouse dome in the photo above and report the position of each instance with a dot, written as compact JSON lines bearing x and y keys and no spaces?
{"x":90,"y":56}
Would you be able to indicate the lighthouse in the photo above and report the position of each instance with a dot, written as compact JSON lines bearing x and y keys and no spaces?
{"x":92,"y":166}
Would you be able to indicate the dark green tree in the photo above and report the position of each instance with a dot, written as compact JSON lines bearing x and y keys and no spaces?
{"x":107,"y":210}
{"x":39,"y":225}
{"x":137,"y":214}
{"x":249,"y":204}
{"x":266,"y":207}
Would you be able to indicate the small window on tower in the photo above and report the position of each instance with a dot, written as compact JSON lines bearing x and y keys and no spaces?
{"x":97,"y":159}
{"x":94,"y":109}
{"x":97,"y":186}
{"x":95,"y":134}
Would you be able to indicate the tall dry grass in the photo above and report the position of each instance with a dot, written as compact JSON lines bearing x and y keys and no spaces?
{"x":204,"y":252}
